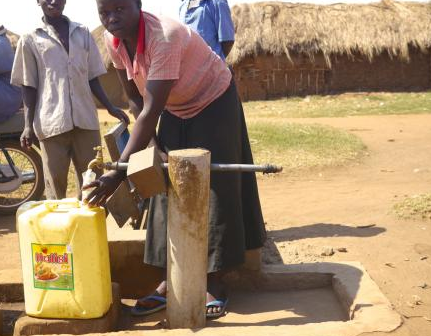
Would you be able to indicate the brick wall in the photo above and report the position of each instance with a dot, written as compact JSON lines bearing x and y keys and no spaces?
{"x":266,"y":76}
{"x":382,"y":74}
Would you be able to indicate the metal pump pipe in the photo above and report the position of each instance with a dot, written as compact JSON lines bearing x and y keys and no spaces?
{"x":219,"y":167}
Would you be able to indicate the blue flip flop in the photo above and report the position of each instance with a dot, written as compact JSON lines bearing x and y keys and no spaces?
{"x":217,"y":303}
{"x":138,"y":310}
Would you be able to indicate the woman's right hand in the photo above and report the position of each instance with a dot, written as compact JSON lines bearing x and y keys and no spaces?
{"x":105,"y":186}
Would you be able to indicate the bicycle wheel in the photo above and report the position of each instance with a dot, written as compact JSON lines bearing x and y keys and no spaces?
{"x":28,"y":162}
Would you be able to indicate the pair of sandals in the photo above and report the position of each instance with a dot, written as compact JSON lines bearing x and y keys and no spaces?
{"x":139,"y":310}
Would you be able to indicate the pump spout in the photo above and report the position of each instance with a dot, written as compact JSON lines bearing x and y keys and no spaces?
{"x":97,"y":162}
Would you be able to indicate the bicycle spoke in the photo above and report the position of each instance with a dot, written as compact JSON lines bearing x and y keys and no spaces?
{"x":23,"y":163}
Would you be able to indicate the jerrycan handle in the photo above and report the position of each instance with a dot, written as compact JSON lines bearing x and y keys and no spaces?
{"x":55,"y":204}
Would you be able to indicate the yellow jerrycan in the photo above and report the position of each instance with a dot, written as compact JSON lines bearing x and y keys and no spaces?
{"x":65,"y":259}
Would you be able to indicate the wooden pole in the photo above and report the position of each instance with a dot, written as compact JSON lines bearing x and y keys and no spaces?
{"x":188,"y":206}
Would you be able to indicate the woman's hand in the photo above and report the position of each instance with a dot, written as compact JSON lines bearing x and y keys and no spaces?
{"x":104,"y":188}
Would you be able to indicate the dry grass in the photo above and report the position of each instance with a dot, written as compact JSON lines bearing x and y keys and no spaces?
{"x":415,"y":207}
{"x":370,"y":29}
{"x":297,"y":146}
{"x":348,"y":104}
{"x":294,"y":146}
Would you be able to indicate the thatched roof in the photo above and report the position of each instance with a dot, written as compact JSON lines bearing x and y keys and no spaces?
{"x":282,"y":28}
{"x":13,"y":38}
{"x":98,"y":36}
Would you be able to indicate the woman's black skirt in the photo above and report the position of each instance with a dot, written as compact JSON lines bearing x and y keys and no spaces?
{"x":235,"y":215}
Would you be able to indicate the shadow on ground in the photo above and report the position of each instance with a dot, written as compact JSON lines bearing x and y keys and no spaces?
{"x":322,"y":230}
{"x":7,"y":225}
{"x":318,"y":230}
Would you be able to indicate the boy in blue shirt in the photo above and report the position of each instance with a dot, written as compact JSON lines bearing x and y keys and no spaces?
{"x":212,"y":20}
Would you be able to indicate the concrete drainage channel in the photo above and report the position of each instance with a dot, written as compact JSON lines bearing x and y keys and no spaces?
{"x":307,"y":299}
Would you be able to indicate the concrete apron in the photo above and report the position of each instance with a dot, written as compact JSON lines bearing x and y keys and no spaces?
{"x":266,"y":301}
{"x":317,"y":299}
{"x":308,"y":299}
{"x":364,"y":308}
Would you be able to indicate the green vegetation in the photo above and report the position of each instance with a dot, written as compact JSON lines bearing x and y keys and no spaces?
{"x":297,"y":146}
{"x":294,"y":146}
{"x":300,"y":146}
{"x":414,"y":207}
{"x":348,"y":104}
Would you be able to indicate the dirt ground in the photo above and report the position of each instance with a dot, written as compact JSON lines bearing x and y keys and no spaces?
{"x":310,"y":212}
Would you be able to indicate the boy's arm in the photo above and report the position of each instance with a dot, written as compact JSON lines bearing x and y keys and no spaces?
{"x":29,"y":95}
{"x":25,"y":73}
{"x":100,"y":94}
{"x":95,"y":70}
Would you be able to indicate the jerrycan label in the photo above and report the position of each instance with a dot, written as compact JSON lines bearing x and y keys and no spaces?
{"x":52,"y":267}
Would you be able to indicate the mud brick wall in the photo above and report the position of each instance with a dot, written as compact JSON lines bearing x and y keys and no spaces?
{"x":382,"y":74}
{"x":267,"y":76}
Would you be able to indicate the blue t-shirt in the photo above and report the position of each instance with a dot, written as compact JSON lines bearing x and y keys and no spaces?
{"x":10,"y":96}
{"x":211,"y":19}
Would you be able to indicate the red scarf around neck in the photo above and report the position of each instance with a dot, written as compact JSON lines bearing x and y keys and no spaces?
{"x":140,"y":47}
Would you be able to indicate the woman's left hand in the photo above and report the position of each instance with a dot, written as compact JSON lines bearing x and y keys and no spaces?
{"x":119,"y":114}
{"x":105,"y":186}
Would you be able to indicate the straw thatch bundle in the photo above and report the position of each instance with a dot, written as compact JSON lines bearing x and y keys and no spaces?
{"x":282,"y":28}
{"x":13,"y":38}
{"x":98,"y":35}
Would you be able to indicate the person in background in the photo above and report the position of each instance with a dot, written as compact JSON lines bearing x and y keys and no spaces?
{"x":58,"y":65}
{"x":180,"y":84}
{"x":212,"y":20}
{"x":10,"y":95}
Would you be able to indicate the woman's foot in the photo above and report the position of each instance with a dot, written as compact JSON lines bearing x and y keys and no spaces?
{"x":152,"y":303}
{"x":216,"y":296}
